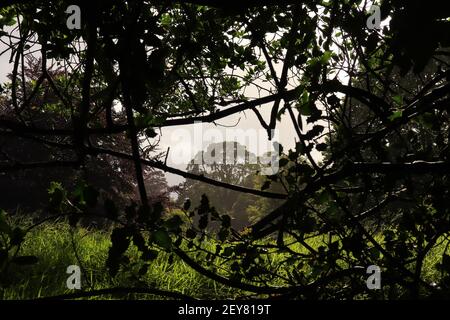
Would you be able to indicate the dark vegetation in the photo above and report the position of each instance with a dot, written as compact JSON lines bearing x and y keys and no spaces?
{"x":79,"y":120}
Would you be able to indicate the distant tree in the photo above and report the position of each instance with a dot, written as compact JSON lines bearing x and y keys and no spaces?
{"x":228,"y":162}
{"x":158,"y":188}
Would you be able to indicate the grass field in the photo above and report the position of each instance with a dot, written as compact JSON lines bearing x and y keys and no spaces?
{"x":57,"y":246}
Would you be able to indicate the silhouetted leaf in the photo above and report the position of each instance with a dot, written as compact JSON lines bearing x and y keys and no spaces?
{"x":266,"y":185}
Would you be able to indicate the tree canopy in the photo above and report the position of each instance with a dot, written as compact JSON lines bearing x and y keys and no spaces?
{"x":373,"y":101}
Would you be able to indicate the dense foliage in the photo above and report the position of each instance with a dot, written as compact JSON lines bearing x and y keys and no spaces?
{"x":373,"y":101}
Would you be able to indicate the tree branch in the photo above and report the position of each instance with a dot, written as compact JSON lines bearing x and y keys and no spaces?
{"x":161,"y":166}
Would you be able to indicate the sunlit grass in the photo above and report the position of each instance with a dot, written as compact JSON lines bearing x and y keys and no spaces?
{"x":58,"y":245}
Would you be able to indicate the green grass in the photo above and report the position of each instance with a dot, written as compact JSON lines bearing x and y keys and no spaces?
{"x":53,"y":245}
{"x":57,"y":245}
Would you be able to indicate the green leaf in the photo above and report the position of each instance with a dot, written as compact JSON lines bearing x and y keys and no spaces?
{"x":398,"y":100}
{"x":56,"y":194}
{"x":86,"y":195}
{"x":162,"y":239}
{"x":395,"y":115}
{"x":326,"y":57}
{"x":166,"y":20}
{"x":304,"y":105}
